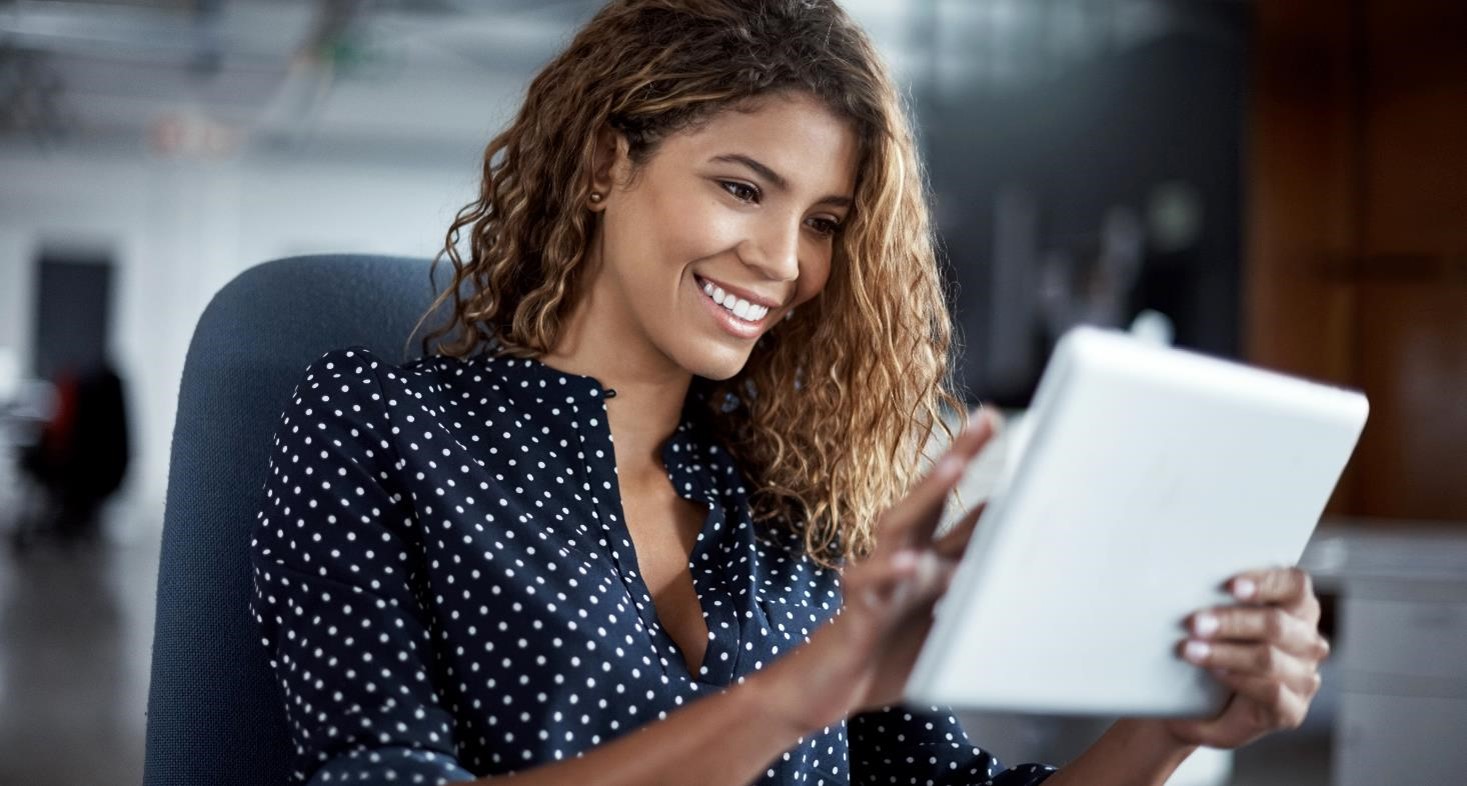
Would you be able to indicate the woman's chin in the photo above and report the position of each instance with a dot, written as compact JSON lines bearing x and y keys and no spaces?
{"x":717,"y":362}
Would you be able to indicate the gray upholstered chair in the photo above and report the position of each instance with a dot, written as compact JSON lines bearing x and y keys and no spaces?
{"x":215,"y":713}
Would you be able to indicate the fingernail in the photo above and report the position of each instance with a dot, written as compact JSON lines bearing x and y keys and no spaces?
{"x":1196,"y":651}
{"x":1204,"y":624}
{"x":1244,"y":589}
{"x":931,"y":566}
{"x":904,"y":559}
{"x":995,"y":418}
{"x":949,"y":467}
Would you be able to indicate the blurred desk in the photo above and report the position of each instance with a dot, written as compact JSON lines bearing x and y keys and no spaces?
{"x":1401,"y":648}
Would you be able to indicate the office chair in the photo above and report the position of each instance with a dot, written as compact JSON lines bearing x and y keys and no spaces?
{"x":215,"y":713}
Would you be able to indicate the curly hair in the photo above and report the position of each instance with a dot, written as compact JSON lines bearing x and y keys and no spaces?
{"x":831,"y":416}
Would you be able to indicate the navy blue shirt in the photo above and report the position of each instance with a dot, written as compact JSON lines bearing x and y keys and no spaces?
{"x":446,"y":588}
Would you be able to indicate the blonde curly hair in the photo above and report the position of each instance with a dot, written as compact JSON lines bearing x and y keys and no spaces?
{"x":831,"y":416}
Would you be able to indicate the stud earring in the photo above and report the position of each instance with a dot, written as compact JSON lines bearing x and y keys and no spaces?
{"x":596,"y":197}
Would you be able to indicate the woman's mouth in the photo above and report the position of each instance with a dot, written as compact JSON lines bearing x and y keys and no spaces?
{"x":737,"y":316}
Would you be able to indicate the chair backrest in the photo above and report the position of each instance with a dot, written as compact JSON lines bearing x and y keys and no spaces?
{"x":215,"y":714}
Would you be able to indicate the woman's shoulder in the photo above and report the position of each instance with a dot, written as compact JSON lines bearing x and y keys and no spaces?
{"x":353,"y":400}
{"x":424,"y":372}
{"x":354,"y":385}
{"x":354,"y":358}
{"x":360,"y":383}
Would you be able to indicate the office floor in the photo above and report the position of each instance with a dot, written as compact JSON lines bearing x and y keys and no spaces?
{"x":76,"y":630}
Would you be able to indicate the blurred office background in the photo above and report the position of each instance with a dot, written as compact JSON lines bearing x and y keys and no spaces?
{"x":1279,"y":182}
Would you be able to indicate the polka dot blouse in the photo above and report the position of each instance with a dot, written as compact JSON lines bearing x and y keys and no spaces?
{"x":446,"y":589}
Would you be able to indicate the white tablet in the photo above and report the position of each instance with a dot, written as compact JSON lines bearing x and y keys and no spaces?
{"x":1149,"y":477}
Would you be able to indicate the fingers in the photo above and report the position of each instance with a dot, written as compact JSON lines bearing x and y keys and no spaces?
{"x":881,"y":573}
{"x":955,"y":541}
{"x":1270,"y":624}
{"x":1290,"y":587}
{"x":891,"y":586}
{"x":1256,"y":660}
{"x":912,"y":520}
{"x":1268,"y":652}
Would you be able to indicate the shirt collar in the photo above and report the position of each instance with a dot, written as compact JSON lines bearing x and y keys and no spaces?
{"x":689,"y":454}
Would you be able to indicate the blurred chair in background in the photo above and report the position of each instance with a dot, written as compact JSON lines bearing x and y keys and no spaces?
{"x":79,"y":461}
{"x":215,"y":713}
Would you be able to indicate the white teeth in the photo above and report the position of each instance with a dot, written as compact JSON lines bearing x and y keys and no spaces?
{"x":739,"y":307}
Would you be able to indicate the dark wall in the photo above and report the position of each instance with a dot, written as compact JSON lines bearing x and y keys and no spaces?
{"x":1135,"y":150}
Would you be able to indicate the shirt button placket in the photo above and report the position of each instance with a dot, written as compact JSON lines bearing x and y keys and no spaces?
{"x":596,"y":442}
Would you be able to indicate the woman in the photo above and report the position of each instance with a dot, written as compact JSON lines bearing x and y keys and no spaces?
{"x":660,"y":472}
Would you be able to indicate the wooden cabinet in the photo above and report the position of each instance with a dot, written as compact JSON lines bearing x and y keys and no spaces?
{"x":1356,"y":267}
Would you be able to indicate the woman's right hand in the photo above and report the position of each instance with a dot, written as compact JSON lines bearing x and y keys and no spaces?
{"x":860,"y":660}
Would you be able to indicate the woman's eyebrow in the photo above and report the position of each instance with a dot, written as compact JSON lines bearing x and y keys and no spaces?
{"x":774,"y":177}
{"x":759,"y":169}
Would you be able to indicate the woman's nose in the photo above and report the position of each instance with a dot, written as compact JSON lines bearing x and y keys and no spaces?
{"x":775,"y":251}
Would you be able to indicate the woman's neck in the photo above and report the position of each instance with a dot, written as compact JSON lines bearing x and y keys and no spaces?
{"x":650,"y":389}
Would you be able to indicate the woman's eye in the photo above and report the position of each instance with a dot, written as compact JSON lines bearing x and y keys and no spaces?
{"x":740,"y":191}
{"x":825,"y":226}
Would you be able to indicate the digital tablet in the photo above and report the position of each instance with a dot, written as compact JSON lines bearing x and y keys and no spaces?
{"x":1148,"y":477}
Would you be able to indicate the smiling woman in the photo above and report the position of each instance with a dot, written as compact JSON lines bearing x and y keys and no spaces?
{"x":831,"y":423}
{"x":660,"y":469}
{"x":696,"y":216}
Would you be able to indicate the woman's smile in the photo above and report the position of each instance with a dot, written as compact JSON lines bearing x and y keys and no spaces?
{"x":737,"y":316}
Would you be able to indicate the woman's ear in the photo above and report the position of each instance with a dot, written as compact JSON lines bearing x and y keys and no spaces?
{"x":610,"y":161}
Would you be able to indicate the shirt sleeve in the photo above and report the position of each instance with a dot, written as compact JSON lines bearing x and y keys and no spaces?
{"x":904,"y":745}
{"x":337,"y":589}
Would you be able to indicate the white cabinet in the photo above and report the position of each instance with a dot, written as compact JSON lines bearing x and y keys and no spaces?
{"x":1386,"y":738}
{"x":1401,"y":652}
{"x":1423,"y":637}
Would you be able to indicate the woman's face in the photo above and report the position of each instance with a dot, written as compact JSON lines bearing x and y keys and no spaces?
{"x":746,"y":205}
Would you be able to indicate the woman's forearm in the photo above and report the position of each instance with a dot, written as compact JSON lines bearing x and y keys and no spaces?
{"x":1132,"y":752}
{"x":727,"y":738}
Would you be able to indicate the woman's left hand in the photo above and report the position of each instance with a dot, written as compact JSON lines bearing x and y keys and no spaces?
{"x":1266,"y":648}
